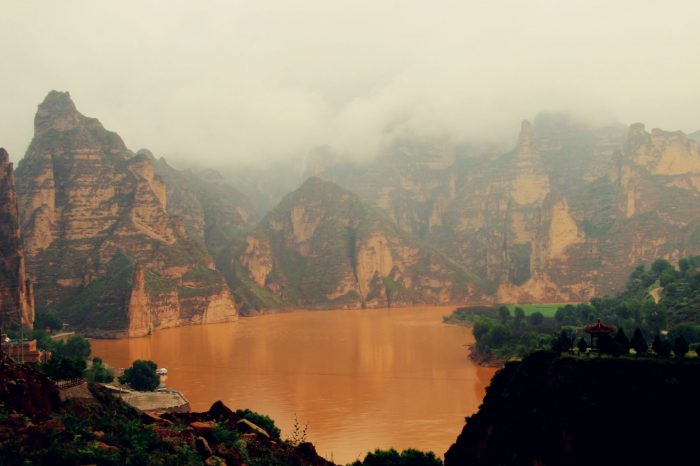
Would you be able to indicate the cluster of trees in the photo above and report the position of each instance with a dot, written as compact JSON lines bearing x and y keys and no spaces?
{"x":620,"y":345}
{"x":409,"y":457}
{"x":658,"y":299}
{"x":502,"y":333}
{"x":69,"y":359}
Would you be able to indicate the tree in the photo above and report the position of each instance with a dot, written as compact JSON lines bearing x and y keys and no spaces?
{"x":77,"y":347}
{"x":606,"y":344}
{"x":680,"y":347}
{"x":141,"y":376}
{"x":504,"y":314}
{"x":47,"y":320}
{"x":659,"y":265}
{"x":661,"y":347}
{"x":622,"y":340}
{"x":582,"y":345}
{"x":563,"y":342}
{"x":655,"y":315}
{"x":481,"y":328}
{"x":98,"y":372}
{"x":536,"y":318}
{"x":60,"y":368}
{"x":638,"y":343}
{"x":518,"y":317}
{"x":496,"y":337}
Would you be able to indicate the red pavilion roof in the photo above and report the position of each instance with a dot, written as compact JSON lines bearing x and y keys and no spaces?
{"x":599,"y":327}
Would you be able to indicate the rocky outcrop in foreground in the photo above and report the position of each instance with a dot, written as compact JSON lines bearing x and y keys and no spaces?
{"x":16,"y":294}
{"x":97,"y":428}
{"x":551,"y":410}
{"x":106,"y":254}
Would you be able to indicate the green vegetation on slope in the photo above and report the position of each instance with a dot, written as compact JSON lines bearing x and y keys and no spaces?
{"x":510,"y":331}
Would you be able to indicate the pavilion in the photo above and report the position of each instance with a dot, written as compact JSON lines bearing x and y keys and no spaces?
{"x":596,"y":331}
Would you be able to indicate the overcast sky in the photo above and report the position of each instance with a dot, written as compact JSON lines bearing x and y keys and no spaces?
{"x":216,"y":81}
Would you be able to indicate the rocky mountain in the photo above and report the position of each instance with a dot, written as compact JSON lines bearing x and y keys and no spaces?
{"x":16,"y":293}
{"x":564,"y":216}
{"x":106,"y":254}
{"x":213,"y":212}
{"x":323,"y":247}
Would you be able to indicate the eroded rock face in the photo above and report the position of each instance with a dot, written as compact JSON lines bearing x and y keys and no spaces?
{"x":531,"y":182}
{"x":16,"y":295}
{"x":321,"y":246}
{"x":564,"y":216}
{"x":107,"y":255}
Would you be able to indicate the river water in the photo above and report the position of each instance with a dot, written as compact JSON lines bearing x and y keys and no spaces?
{"x":361,"y":379}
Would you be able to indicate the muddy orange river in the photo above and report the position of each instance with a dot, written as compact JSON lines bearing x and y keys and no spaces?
{"x":361,"y":379}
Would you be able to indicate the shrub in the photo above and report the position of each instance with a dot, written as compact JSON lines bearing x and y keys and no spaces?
{"x":391,"y":457}
{"x":60,"y":368}
{"x":481,"y":327}
{"x":261,"y":420}
{"x":535,"y":319}
{"x":622,"y":340}
{"x":582,"y":345}
{"x":77,"y":347}
{"x":98,"y":372}
{"x":638,"y":343}
{"x":661,"y":347}
{"x":680,"y":347}
{"x":563,"y":343}
{"x":504,"y":314}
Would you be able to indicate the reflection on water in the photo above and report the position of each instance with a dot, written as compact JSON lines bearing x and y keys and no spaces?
{"x":361,"y":379}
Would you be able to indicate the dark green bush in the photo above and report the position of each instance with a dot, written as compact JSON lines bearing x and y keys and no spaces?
{"x":391,"y":457}
{"x":141,"y":376}
{"x":262,"y":421}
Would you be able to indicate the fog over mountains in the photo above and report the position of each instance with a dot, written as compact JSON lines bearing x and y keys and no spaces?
{"x":218,"y":83}
{"x":118,"y":242}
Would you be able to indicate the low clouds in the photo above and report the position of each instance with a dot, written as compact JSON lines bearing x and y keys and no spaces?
{"x":219,"y":82}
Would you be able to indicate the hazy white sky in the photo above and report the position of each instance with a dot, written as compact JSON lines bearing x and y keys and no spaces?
{"x":215,"y":81}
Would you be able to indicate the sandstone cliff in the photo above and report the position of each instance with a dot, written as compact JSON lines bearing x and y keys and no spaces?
{"x":16,"y":295}
{"x":105,"y":251}
{"x":214,"y":212}
{"x":563,"y":216}
{"x":323,"y":247}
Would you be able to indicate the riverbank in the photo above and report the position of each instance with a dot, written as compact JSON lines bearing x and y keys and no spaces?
{"x":484,"y":360}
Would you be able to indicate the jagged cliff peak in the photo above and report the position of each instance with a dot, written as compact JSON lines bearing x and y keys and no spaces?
{"x":58,"y":112}
{"x":668,"y":153}
{"x":57,"y":115}
{"x":90,"y":210}
{"x":319,"y":191}
{"x":146,"y":154}
{"x":526,"y":138}
{"x":4,"y":156}
{"x":636,"y":129}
